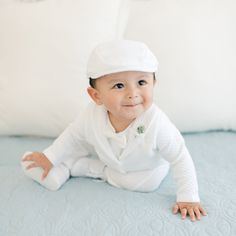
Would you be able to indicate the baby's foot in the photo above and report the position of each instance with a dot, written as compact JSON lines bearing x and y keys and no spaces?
{"x":56,"y":177}
{"x":88,"y":167}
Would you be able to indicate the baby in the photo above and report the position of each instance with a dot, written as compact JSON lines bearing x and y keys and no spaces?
{"x":121,"y":137}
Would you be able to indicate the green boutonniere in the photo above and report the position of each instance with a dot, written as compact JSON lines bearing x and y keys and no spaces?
{"x":140,"y":129}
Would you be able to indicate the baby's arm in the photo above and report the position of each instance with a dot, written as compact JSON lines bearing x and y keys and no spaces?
{"x":172,"y":147}
{"x":39,"y":159}
{"x":69,"y":145}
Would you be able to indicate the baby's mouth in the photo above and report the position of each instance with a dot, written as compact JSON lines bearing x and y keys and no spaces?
{"x":131,"y":105}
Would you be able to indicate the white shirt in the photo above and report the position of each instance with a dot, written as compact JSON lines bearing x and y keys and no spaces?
{"x":142,"y":146}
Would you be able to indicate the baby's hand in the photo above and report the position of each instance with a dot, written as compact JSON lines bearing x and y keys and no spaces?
{"x":38,"y":159}
{"x":191,"y":208}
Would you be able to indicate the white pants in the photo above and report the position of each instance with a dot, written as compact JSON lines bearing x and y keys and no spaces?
{"x":142,"y":181}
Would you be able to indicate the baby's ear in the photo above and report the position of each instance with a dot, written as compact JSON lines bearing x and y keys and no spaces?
{"x":95,"y":95}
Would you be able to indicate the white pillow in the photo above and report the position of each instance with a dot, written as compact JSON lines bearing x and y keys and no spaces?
{"x":44,"y":46}
{"x":194,"y":42}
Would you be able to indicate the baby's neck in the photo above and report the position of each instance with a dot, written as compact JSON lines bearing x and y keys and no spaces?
{"x":119,"y":125}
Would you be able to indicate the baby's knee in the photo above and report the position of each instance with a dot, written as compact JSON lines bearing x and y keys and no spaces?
{"x":143,"y":181}
{"x":154,"y":180}
{"x":148,"y":186}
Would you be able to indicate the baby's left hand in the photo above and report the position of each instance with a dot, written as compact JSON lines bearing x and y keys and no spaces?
{"x":193,"y":209}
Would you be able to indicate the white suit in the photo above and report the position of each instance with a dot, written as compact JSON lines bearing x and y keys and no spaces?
{"x":142,"y":152}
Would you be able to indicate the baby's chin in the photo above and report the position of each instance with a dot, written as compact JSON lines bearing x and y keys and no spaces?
{"x":130,"y":116}
{"x":133,"y":112}
{"x":128,"y":113}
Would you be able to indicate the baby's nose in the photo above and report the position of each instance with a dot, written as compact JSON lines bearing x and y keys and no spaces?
{"x":132,"y":94}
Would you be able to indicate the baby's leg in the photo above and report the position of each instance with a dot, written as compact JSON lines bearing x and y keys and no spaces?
{"x":56,"y":177}
{"x":89,"y":167}
{"x":141,"y":181}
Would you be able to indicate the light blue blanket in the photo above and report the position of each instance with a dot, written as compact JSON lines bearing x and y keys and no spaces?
{"x":87,"y":207}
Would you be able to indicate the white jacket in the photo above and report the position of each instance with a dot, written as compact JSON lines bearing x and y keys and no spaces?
{"x":150,"y":139}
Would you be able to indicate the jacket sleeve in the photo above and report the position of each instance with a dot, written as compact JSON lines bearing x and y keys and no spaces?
{"x":69,"y":144}
{"x":173,"y":149}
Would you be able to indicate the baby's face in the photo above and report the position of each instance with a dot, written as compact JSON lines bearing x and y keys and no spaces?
{"x":126,"y":95}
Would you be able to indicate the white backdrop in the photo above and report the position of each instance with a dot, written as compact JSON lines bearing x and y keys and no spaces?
{"x":44,"y":47}
{"x":195,"y":43}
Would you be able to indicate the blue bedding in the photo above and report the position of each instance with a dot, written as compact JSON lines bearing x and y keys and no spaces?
{"x":87,"y":207}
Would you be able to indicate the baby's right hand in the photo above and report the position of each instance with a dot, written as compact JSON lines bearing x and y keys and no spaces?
{"x":38,"y":159}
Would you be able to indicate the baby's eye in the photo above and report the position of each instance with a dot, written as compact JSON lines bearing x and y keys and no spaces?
{"x":142,"y":82}
{"x":118,"y":86}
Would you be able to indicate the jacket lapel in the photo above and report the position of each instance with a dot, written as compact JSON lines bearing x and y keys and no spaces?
{"x":103,"y":147}
{"x":139,"y":130}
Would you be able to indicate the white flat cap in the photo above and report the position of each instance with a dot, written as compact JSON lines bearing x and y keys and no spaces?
{"x":119,"y":56}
